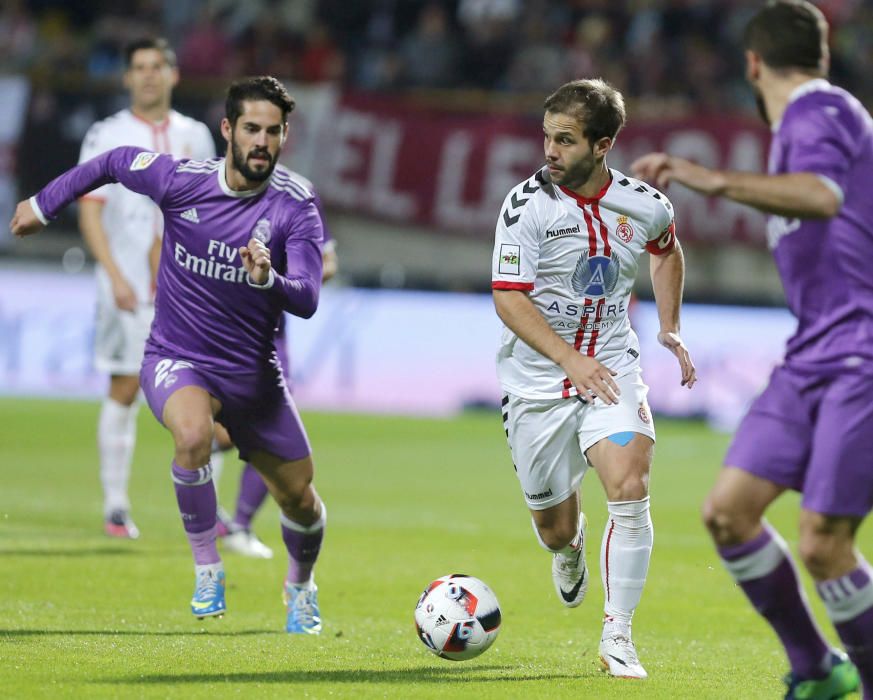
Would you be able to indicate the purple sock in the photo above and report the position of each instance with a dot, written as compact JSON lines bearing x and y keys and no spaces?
{"x":195,"y":495}
{"x":303,"y":543}
{"x":849,"y":602}
{"x":252,"y":492}
{"x":764,"y":570}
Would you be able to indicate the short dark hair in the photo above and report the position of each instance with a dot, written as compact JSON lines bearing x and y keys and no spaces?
{"x":150,"y":42}
{"x":594,"y":102}
{"x":262,"y":87}
{"x":789,"y":34}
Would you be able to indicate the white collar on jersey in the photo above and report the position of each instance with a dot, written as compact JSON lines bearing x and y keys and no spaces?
{"x":238,"y":194}
{"x":814,"y":85}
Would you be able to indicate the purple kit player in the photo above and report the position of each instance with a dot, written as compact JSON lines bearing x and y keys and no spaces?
{"x":242,"y":244}
{"x":811,"y":429}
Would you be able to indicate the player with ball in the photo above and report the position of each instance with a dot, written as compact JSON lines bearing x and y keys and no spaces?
{"x":565,"y":258}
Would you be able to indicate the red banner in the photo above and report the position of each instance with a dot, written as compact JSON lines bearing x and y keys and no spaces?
{"x":448,"y":170}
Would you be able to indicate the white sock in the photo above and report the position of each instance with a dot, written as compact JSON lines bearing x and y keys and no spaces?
{"x":116,"y":437}
{"x":624,"y":557}
{"x":569,"y":550}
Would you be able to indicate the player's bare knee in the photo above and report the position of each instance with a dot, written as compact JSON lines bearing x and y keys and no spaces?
{"x":193,"y":443}
{"x":634,"y":487}
{"x":558,"y":535}
{"x":818,"y":551}
{"x":294,"y":492}
{"x":726,"y":525}
{"x":300,"y":506}
{"x":826,"y":546}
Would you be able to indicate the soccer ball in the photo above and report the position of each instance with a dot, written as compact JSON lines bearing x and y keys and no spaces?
{"x":457,"y":617}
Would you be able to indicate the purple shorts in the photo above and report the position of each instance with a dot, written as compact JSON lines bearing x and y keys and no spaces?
{"x":813,"y":434}
{"x":257,"y":410}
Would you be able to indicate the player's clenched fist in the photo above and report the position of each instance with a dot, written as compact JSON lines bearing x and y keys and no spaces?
{"x":256,"y":259}
{"x":24,"y":222}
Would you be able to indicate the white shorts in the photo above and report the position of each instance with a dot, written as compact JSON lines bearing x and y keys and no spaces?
{"x":119,"y":338}
{"x":548,"y":438}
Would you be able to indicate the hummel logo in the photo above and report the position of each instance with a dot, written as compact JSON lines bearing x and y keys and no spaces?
{"x":570,"y":596}
{"x":191,"y":215}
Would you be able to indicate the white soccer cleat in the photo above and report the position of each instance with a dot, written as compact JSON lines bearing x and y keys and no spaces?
{"x":246,"y":542}
{"x":618,"y":656}
{"x":570,"y":574}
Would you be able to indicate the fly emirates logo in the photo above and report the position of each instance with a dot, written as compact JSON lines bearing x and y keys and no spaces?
{"x":218,"y":266}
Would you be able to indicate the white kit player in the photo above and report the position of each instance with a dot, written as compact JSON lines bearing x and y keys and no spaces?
{"x":565,"y":259}
{"x":123,"y":230}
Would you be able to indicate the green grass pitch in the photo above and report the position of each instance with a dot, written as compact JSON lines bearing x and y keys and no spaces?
{"x":409,"y":500}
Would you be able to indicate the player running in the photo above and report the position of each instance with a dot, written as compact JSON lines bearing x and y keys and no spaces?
{"x":565,"y":259}
{"x":242,"y":244}
{"x":811,"y":429}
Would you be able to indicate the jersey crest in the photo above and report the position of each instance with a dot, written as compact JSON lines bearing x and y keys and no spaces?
{"x":595,"y":276}
{"x":262,"y":231}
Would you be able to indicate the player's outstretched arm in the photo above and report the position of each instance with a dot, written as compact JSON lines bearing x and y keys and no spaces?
{"x":25,"y":221}
{"x":590,"y":377}
{"x":668,"y":277}
{"x":140,"y":171}
{"x":801,"y":195}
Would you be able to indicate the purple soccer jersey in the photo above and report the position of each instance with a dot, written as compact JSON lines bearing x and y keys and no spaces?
{"x":812,"y":427}
{"x":282,"y":350}
{"x":206,"y":310}
{"x":825,"y":263}
{"x":213,"y":328}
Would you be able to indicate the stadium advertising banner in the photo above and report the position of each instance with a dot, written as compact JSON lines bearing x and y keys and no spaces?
{"x":379,"y":351}
{"x":384,"y":158}
{"x":390,"y":159}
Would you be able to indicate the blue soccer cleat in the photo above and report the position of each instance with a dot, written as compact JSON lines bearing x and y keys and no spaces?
{"x":301,"y":603}
{"x":208,"y":600}
{"x":842,"y":680}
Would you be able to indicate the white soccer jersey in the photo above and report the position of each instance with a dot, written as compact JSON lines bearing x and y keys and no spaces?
{"x":132,"y":220}
{"x":577,"y":257}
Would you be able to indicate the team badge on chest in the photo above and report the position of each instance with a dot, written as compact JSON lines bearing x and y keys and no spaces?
{"x":262,"y":231}
{"x":624,"y":230}
{"x":595,"y":276}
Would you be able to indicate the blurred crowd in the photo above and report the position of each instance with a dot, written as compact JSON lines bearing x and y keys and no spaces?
{"x":682,"y":51}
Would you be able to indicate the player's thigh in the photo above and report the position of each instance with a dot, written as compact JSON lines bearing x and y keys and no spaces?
{"x":839,"y":480}
{"x":618,"y":440}
{"x":774,"y":439}
{"x":545,"y":453}
{"x":119,"y":338}
{"x":178,"y":394}
{"x":282,"y":475}
{"x":188,"y":414}
{"x":272,"y":425}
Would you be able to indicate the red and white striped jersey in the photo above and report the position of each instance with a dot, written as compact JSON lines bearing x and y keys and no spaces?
{"x":132,"y":220}
{"x":577,"y":258}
